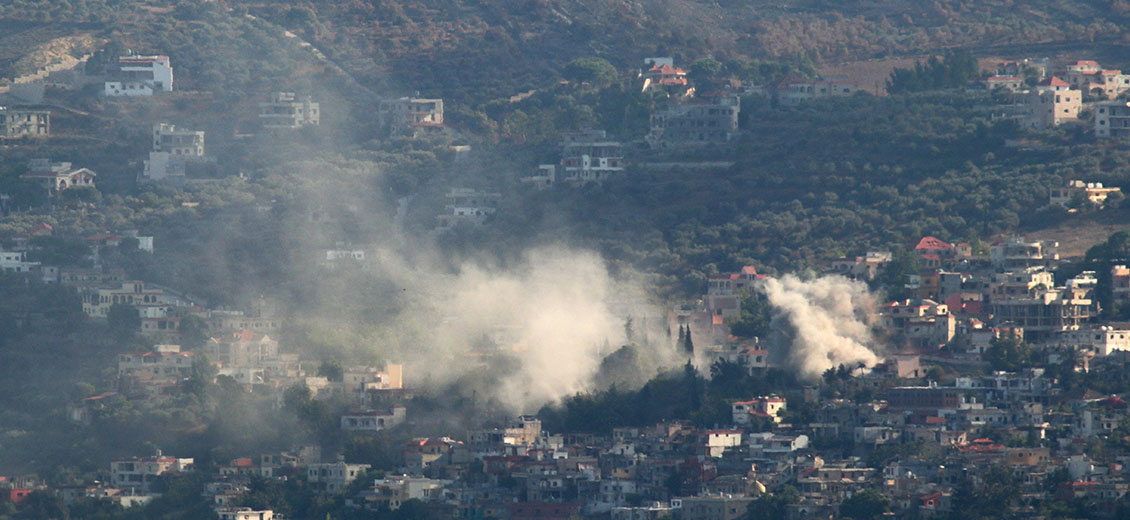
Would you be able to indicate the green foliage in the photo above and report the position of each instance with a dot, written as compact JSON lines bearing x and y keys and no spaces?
{"x":867,"y":504}
{"x":332,"y":370}
{"x":773,"y":506}
{"x":123,"y":320}
{"x":1008,"y":353}
{"x":754,"y":319}
{"x":956,"y":69}
{"x":595,"y":71}
{"x":194,"y":332}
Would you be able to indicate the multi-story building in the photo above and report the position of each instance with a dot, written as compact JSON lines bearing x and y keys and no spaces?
{"x":1100,"y":341}
{"x":410,"y":113}
{"x":592,"y":161}
{"x":24,"y":122}
{"x":168,"y":138}
{"x":1052,"y":103}
{"x":468,"y":205}
{"x":163,"y":166}
{"x":164,"y":361}
{"x":16,"y":262}
{"x":865,"y":267}
{"x":1029,"y":299}
{"x":1112,"y":119}
{"x":57,"y":176}
{"x":1016,"y":253}
{"x":719,"y":507}
{"x":663,"y":76}
{"x":795,"y":90}
{"x":767,"y":407}
{"x":286,"y":111}
{"x":1094,"y":192}
{"x":242,"y":348}
{"x":96,"y":302}
{"x":373,"y":420}
{"x":140,"y":472}
{"x":333,"y":476}
{"x":696,"y":122}
{"x":140,"y":76}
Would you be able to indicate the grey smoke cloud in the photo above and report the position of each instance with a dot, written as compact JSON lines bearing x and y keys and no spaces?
{"x":829,"y":321}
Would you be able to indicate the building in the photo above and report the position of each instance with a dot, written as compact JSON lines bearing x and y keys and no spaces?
{"x":664,"y":77}
{"x":410,"y":113}
{"x":163,"y":167}
{"x":164,"y":361}
{"x":1100,"y":341}
{"x":167,"y":138}
{"x":698,"y":122}
{"x":718,"y":507}
{"x":334,"y":476}
{"x":1094,"y":192}
{"x":24,"y":122}
{"x":1009,"y":83}
{"x":1052,"y":103}
{"x":373,"y":421}
{"x":1029,"y":299}
{"x":793,"y":91}
{"x":468,"y":205}
{"x":920,"y":322}
{"x":390,"y":492}
{"x":140,"y":472}
{"x":1112,"y":119}
{"x":862,"y":267}
{"x":1016,"y":253}
{"x":590,"y":161}
{"x":16,"y":262}
{"x":140,"y":76}
{"x":242,"y":348}
{"x":244,"y":513}
{"x":57,"y":176}
{"x":767,"y":407}
{"x":96,"y":302}
{"x":285,"y":111}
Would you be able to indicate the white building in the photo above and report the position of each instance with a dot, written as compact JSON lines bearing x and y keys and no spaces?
{"x":164,"y":166}
{"x":140,"y":76}
{"x":16,"y":262}
{"x":1098,"y":340}
{"x":468,"y":205}
{"x":245,"y":513}
{"x":140,"y":472}
{"x":168,"y":138}
{"x":411,"y":113}
{"x":334,"y":476}
{"x":287,"y":111}
{"x":57,"y":176}
{"x":373,"y":421}
{"x":768,"y":407}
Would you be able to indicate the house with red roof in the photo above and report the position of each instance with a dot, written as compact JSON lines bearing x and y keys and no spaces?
{"x":1052,"y":103}
{"x":763,"y":407}
{"x":241,"y":348}
{"x":664,"y":77}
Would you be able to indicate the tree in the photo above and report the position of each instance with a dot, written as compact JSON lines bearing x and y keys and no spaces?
{"x":688,"y":344}
{"x":773,"y":506}
{"x":595,"y":71}
{"x":193,"y":331}
{"x":124,"y":321}
{"x":1009,"y":353}
{"x":865,"y":505}
{"x":754,"y":319}
{"x":332,"y":370}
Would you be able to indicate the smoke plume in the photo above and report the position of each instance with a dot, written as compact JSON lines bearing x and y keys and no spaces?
{"x":827,"y":319}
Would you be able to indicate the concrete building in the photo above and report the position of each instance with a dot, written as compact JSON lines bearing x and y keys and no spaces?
{"x":767,"y":407}
{"x":1016,"y":253}
{"x":795,"y":90}
{"x":140,"y":472}
{"x":164,"y":167}
{"x":374,"y":420}
{"x":242,"y":348}
{"x":468,"y":205}
{"x":168,"y":138}
{"x":24,"y":122}
{"x":1100,"y":341}
{"x":590,"y":161}
{"x":719,"y":507}
{"x":410,"y":113}
{"x":1009,"y":83}
{"x":1094,"y":192}
{"x":1052,"y":103}
{"x":57,"y":176}
{"x":662,"y":76}
{"x":96,"y":302}
{"x":333,"y":476}
{"x":16,"y":262}
{"x":697,"y":122}
{"x":245,"y":513}
{"x":1112,"y":119}
{"x":286,"y":111}
{"x":1029,"y":299}
{"x":140,"y":76}
{"x":164,"y":361}
{"x":865,"y":267}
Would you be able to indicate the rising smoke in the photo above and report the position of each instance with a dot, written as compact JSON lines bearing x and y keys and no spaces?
{"x":825,"y":321}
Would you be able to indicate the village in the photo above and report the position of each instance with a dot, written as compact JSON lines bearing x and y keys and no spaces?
{"x":995,"y":368}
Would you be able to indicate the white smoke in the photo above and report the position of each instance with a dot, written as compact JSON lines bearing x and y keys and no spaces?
{"x":828,"y":318}
{"x":549,"y":313}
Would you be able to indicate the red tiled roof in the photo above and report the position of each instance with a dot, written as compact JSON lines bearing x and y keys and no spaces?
{"x":1054,"y":82}
{"x":666,"y":69}
{"x":934,"y":243}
